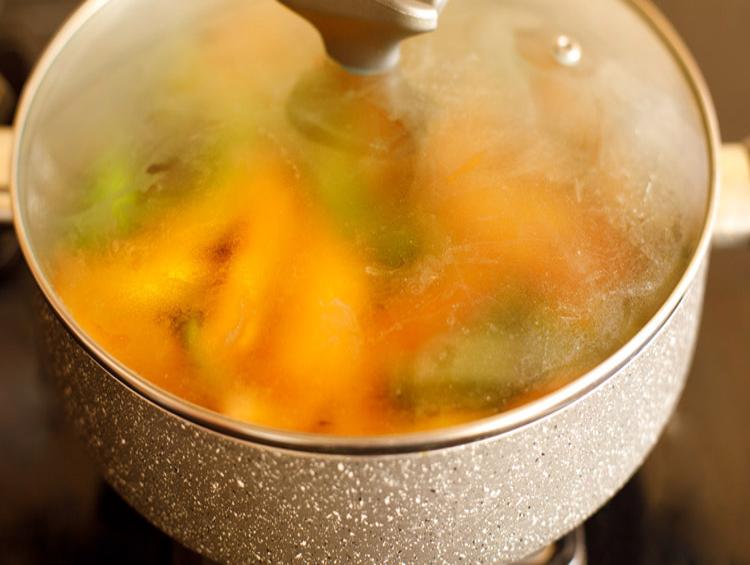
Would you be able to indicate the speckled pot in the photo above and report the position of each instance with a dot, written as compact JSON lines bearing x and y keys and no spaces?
{"x":490,"y":491}
{"x":487,"y":501}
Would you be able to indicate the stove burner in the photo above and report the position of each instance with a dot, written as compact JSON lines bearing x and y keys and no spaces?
{"x":569,"y":550}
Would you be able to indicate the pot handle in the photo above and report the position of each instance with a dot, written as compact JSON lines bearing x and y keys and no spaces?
{"x":733,"y":218}
{"x":6,"y":147}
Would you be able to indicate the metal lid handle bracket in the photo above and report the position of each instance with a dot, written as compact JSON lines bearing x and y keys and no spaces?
{"x":364,"y":35}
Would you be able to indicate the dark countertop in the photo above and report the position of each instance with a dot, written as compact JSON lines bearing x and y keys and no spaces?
{"x":690,"y":503}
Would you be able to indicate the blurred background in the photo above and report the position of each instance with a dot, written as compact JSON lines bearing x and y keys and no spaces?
{"x":690,"y":504}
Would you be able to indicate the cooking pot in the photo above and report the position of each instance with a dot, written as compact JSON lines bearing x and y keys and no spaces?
{"x":491,"y":491}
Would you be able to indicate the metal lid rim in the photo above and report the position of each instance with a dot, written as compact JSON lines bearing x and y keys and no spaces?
{"x":502,"y":423}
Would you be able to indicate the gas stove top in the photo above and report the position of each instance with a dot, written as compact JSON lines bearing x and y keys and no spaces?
{"x":689,"y":504}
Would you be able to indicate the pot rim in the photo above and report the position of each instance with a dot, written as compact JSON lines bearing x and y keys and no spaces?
{"x":502,"y":423}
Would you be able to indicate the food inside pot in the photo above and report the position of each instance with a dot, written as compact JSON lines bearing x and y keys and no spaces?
{"x":309,"y":250}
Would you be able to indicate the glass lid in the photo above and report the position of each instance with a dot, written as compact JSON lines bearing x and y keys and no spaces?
{"x":240,"y":222}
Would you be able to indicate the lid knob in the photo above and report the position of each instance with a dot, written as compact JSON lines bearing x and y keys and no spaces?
{"x":364,"y":35}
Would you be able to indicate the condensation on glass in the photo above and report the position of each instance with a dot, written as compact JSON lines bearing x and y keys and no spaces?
{"x":315,"y":251}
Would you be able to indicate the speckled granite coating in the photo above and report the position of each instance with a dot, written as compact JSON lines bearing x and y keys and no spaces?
{"x":489,"y":501}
